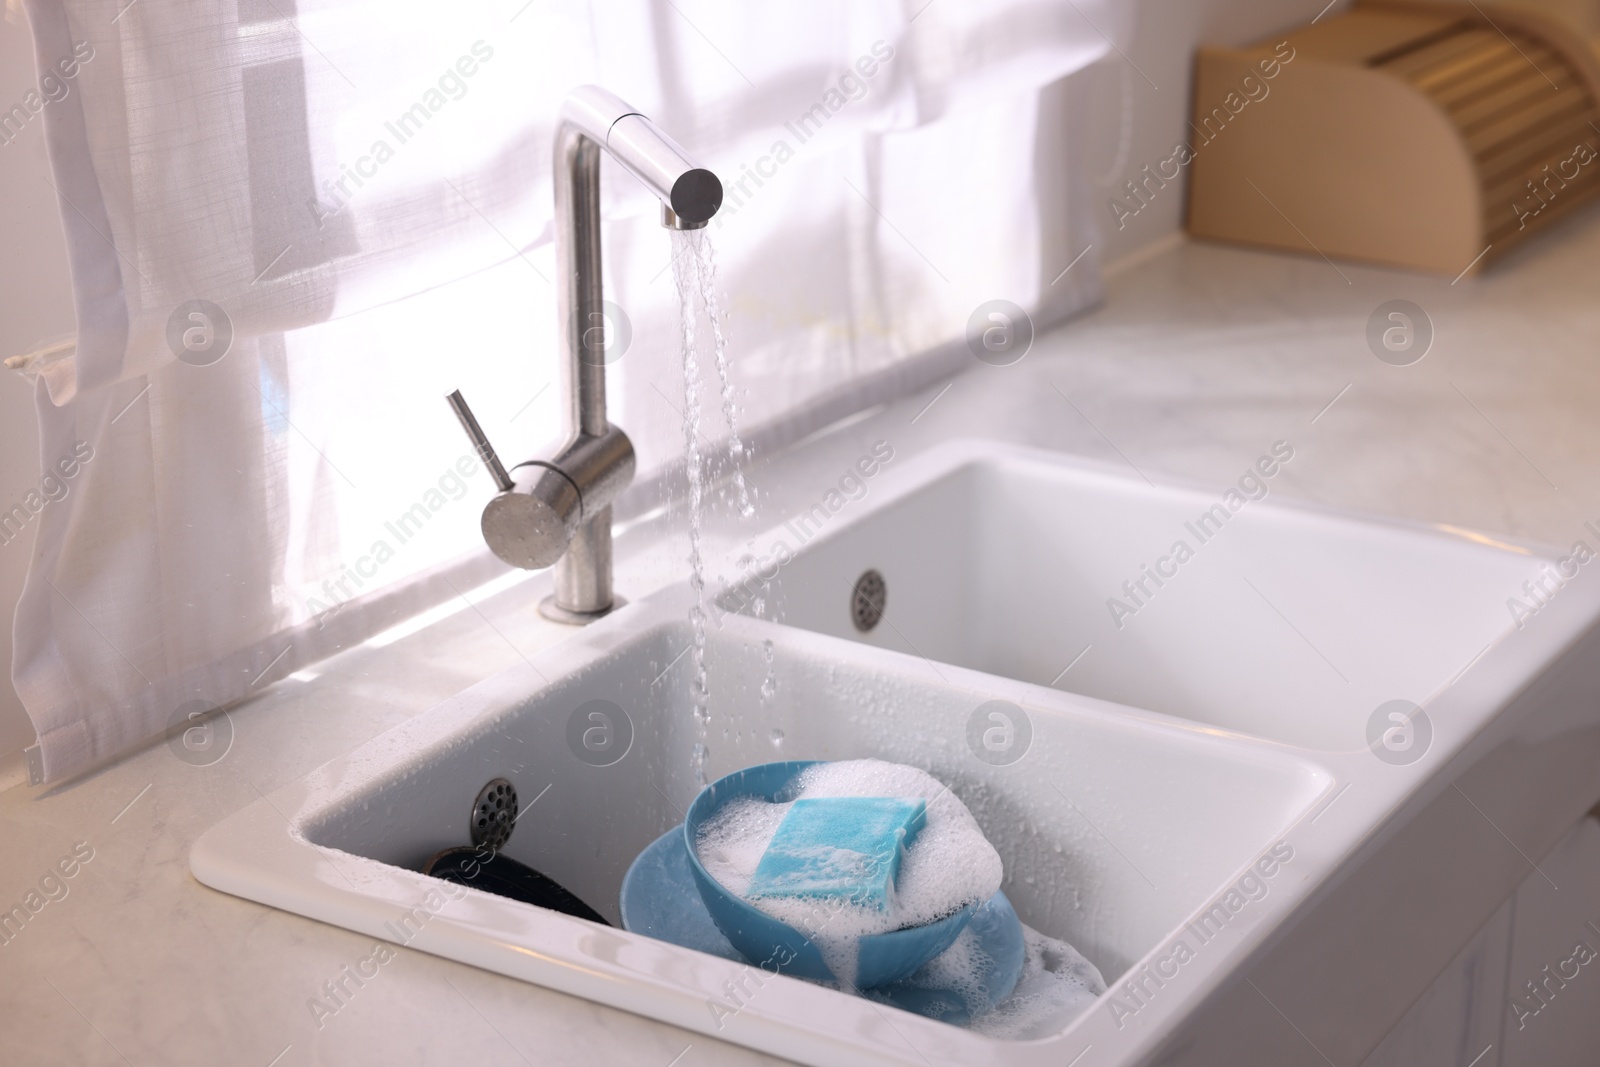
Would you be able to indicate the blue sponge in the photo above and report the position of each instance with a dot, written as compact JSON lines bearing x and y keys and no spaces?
{"x":845,"y":848}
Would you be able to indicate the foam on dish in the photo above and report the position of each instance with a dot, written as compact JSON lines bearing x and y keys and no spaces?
{"x":1057,"y":984}
{"x":948,"y":866}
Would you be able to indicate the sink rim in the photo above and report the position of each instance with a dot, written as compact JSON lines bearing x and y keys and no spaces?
{"x":904,"y":478}
{"x":896,"y":485}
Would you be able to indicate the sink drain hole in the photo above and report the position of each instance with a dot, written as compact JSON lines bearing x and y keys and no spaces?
{"x":867,"y":600}
{"x":494,"y":814}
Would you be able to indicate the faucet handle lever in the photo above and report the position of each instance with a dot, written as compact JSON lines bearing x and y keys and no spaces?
{"x":480,"y":442}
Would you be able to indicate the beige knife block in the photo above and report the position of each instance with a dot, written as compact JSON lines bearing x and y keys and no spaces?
{"x":1424,"y":135}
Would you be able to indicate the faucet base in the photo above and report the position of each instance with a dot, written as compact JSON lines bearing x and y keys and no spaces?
{"x":556,"y":613}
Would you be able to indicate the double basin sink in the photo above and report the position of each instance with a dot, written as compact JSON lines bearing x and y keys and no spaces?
{"x":1174,"y":749}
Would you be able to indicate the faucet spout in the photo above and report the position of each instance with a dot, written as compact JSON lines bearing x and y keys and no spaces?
{"x":558,"y":510}
{"x":689,"y":195}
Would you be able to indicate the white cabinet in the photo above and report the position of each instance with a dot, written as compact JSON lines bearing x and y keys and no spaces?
{"x":1525,"y":992}
{"x":1551,"y":1009}
{"x":1459,"y":1016}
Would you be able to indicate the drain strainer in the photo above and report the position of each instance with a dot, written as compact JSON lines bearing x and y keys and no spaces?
{"x":867,"y":600}
{"x":494,"y":814}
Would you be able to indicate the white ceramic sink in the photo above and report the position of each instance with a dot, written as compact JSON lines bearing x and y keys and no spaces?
{"x":1286,"y":623}
{"x":1116,"y":828}
{"x":1219,"y":732}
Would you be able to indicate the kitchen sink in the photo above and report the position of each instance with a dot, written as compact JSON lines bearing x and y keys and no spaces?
{"x":1183,"y":776}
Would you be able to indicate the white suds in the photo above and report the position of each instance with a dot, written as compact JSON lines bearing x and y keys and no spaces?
{"x":1057,"y":984}
{"x":949,"y":865}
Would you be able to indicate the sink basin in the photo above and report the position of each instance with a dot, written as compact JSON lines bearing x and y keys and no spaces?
{"x":1119,"y":829}
{"x":1282,"y":621}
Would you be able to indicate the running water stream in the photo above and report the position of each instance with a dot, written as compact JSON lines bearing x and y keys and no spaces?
{"x":706,"y":262}
{"x":694,"y":271}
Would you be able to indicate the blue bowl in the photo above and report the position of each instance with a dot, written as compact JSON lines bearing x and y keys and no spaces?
{"x":778,"y":947}
{"x":659,"y":900}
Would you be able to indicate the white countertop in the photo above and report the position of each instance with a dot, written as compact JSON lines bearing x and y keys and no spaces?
{"x":1201,"y":358}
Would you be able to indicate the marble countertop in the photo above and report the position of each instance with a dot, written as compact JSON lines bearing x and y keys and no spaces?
{"x":1201,"y":357}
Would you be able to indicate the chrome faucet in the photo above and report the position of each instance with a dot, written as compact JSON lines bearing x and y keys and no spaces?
{"x":558,"y":511}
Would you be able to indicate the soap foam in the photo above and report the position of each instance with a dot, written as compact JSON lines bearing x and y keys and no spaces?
{"x":1057,"y":984}
{"x":949,"y":865}
{"x":959,"y":969}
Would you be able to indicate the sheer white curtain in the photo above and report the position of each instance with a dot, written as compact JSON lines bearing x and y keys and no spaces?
{"x":355,"y":199}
